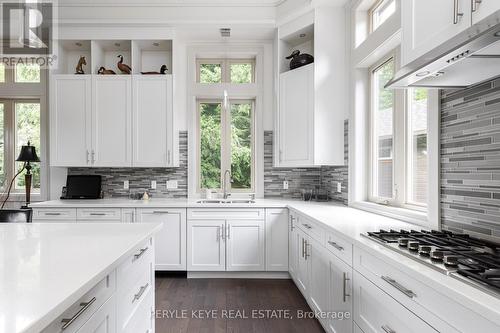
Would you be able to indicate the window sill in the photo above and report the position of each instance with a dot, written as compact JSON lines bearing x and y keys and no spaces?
{"x":407,"y":215}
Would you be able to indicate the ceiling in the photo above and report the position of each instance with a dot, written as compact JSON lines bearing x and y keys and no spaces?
{"x":253,"y":3}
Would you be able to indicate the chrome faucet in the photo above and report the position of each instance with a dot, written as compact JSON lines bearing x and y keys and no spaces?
{"x":224,"y":185}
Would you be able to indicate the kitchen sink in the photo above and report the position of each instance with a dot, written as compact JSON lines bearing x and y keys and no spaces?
{"x":222,"y":201}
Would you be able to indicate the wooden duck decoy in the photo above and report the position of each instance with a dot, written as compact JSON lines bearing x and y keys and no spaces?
{"x":104,"y":71}
{"x":124,"y":68}
{"x":163,"y":70}
{"x":79,"y":66}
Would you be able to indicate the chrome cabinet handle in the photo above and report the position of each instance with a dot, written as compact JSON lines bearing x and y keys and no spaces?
{"x":140,"y":254}
{"x":53,"y":214}
{"x":141,"y":291}
{"x":228,"y":230}
{"x":474,"y":4}
{"x":67,"y":322}
{"x":97,"y":214}
{"x":219,"y":235}
{"x":456,"y":12}
{"x":345,"y":287}
{"x":88,"y":157}
{"x":291,"y":223}
{"x":387,"y":329}
{"x":335,"y":245}
{"x":308,"y":226}
{"x":92,"y":156}
{"x":168,"y":157}
{"x":305,"y":251}
{"x":160,"y":211}
{"x":303,"y":247}
{"x":223,"y":233}
{"x":399,"y":287}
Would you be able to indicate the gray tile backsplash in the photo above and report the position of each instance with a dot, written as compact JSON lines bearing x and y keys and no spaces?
{"x":470,"y":160}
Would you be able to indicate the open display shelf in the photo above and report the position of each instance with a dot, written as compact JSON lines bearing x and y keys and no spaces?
{"x":302,"y":40}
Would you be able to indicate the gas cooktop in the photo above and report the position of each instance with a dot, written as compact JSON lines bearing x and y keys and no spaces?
{"x":466,"y":258}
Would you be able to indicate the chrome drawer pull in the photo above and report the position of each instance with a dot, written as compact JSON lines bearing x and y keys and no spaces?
{"x":141,"y":252}
{"x":307,"y":225}
{"x":97,"y":214}
{"x":335,"y":245}
{"x":141,"y":291}
{"x":53,"y":214}
{"x":345,"y":287}
{"x":456,"y":12}
{"x":307,"y":254}
{"x":85,"y":306}
{"x":387,"y":329}
{"x":399,"y":287}
{"x":475,"y":3}
{"x":160,"y":212}
{"x":303,"y":248}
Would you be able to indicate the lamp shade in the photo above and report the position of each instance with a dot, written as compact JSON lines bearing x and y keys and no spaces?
{"x":28,"y":154}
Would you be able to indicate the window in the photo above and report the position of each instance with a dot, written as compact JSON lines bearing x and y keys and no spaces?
{"x":399,"y":131}
{"x":2,"y":73}
{"x":225,"y":71}
{"x":27,"y":73}
{"x":226,"y":142}
{"x":382,"y":10}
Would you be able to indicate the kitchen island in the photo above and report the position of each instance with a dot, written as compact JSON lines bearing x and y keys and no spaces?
{"x":75,"y":277}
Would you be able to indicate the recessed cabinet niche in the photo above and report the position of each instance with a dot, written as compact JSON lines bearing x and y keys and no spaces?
{"x":113,"y":120}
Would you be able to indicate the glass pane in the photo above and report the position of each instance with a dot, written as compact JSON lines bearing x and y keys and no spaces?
{"x":27,"y":73}
{"x":241,"y":73}
{"x":383,"y":131}
{"x":2,"y":73}
{"x":417,"y":150}
{"x":2,"y":147}
{"x":210,"y":73}
{"x":241,"y":145}
{"x":28,"y":129}
{"x":382,"y":12}
{"x":210,"y":145}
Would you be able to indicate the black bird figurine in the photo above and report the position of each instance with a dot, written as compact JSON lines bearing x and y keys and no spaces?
{"x":104,"y":71}
{"x":163,"y":70}
{"x":124,"y":68}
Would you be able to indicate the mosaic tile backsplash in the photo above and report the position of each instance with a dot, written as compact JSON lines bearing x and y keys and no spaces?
{"x":470,"y":160}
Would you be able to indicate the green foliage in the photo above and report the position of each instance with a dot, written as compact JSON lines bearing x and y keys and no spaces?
{"x":28,"y":129}
{"x":210,"y":73}
{"x":27,"y":73}
{"x":419,"y":94}
{"x":241,"y":73}
{"x":2,"y":73}
{"x":2,"y":147}
{"x":386,"y":96}
{"x":241,"y":145}
{"x":210,"y":145}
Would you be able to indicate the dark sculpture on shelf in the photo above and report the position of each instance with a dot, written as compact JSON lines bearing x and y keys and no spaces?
{"x":124,"y":68}
{"x":104,"y":71}
{"x":163,"y":70}
{"x":79,"y":66}
{"x":299,"y":60}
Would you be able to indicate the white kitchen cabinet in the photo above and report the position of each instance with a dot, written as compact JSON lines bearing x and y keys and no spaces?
{"x":483,"y":8}
{"x":317,"y":259}
{"x":153,"y":126}
{"x":427,"y":24}
{"x":103,"y":320}
{"x":339,"y":294}
{"x":277,"y":239}
{"x":111,"y":119}
{"x":170,"y":241}
{"x":296,"y":117}
{"x":70,"y":120}
{"x":206,"y":246}
{"x":245,"y":245}
{"x":293,"y":245}
{"x":302,"y":272}
{"x":375,"y":311}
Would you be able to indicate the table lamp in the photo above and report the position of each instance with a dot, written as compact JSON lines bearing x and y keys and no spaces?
{"x":28,"y":155}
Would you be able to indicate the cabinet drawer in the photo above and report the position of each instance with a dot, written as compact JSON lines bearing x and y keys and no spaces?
{"x":226,"y":213}
{"x":130,"y":300}
{"x":67,"y":214}
{"x":339,"y":247}
{"x":311,"y":228}
{"x":375,"y":311}
{"x":112,"y":214}
{"x":439,"y":310}
{"x":85,"y":307}
{"x":103,"y":320}
{"x":143,"y":318}
{"x":135,"y":266}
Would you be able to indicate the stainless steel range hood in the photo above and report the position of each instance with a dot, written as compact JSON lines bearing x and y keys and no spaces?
{"x":471,"y":57}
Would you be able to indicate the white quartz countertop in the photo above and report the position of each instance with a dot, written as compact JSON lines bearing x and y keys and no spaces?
{"x":44,"y":268}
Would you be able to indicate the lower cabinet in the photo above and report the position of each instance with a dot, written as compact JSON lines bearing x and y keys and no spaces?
{"x":277,"y":239}
{"x":103,"y":320}
{"x":302,"y":272}
{"x":318,"y":267}
{"x":245,"y":245}
{"x":375,"y":311}
{"x":170,"y":241}
{"x":339,"y":295}
{"x":206,"y":246}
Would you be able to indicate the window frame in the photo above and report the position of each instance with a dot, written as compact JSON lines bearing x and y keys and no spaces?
{"x":225,"y":68}
{"x":372,"y":11}
{"x":226,"y":141}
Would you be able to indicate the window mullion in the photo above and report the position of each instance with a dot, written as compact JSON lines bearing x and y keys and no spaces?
{"x":400,"y":115}
{"x":9,"y":140}
{"x":225,"y":138}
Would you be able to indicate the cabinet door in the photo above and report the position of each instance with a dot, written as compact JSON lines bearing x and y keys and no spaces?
{"x":245,"y":245}
{"x":70,"y":120}
{"x":429,"y":23}
{"x":295,"y":117}
{"x":483,"y":8}
{"x":292,"y":246}
{"x":339,"y":294}
{"x":375,"y":311}
{"x":152,"y":121}
{"x":206,"y":245}
{"x":170,"y":241}
{"x":111,"y":118}
{"x":302,"y":272}
{"x":318,"y":276}
{"x":103,"y":320}
{"x":277,"y":240}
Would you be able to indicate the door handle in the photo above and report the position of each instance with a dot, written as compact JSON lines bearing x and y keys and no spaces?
{"x":475,"y":3}
{"x":456,"y":12}
{"x":409,"y":293}
{"x":345,"y":287}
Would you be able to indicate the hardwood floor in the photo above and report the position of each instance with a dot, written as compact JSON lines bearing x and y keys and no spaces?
{"x":177,"y":298}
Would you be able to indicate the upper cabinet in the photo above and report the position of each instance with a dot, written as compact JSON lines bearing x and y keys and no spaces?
{"x":113,"y":120}
{"x":427,"y":24}
{"x":312,"y":100}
